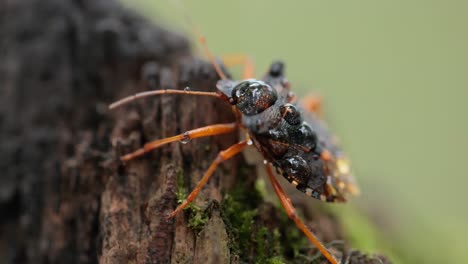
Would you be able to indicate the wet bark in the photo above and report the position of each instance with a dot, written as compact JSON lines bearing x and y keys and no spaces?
{"x":64,"y":195}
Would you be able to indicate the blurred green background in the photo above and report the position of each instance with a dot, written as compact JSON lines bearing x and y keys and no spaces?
{"x":394,"y":78}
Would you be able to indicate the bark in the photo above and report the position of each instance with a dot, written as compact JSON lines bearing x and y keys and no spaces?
{"x":64,"y":195}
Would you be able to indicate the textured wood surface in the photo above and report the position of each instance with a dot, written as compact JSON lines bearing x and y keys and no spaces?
{"x":64,"y":195}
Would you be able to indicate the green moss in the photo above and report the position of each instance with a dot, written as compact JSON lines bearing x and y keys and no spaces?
{"x":294,"y":243}
{"x":255,"y":243}
{"x":197,"y":216}
{"x":260,"y":241}
{"x":261,"y":187}
{"x":239,"y":219}
{"x":250,"y":240}
{"x":181,"y":192}
{"x":268,"y":247}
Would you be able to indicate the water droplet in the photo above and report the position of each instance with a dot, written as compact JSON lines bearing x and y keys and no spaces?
{"x":187,"y":89}
{"x":185,"y":139}
{"x":249,"y":142}
{"x":265,"y":162}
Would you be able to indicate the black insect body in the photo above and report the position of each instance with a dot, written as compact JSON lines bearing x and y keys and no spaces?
{"x":295,"y":141}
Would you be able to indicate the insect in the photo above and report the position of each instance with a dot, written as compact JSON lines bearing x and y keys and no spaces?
{"x":291,"y":137}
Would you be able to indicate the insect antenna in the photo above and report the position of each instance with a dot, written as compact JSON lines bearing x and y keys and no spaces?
{"x":207,"y":52}
{"x":201,"y":39}
{"x":131,"y":98}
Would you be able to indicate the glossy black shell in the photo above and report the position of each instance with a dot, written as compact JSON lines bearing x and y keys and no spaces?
{"x":291,"y":139}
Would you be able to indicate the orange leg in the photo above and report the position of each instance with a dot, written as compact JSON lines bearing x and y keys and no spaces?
{"x":222,"y":156}
{"x":291,"y":211}
{"x":211,"y":130}
{"x":241,"y":59}
{"x":312,"y":103}
{"x":160,"y":92}
{"x":326,"y":155}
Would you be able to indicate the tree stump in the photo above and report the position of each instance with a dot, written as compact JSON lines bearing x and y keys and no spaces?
{"x":65,"y":197}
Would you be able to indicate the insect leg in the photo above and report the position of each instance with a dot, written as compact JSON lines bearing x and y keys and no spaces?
{"x":211,"y":130}
{"x":222,"y":156}
{"x":240,"y":59}
{"x":291,"y":211}
{"x":312,"y":103}
{"x":160,"y":92}
{"x":326,"y":155}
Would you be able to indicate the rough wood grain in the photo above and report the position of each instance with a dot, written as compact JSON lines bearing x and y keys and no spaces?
{"x":64,"y":195}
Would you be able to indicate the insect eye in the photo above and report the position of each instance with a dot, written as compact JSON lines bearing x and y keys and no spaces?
{"x":253,"y":97}
{"x":290,"y":113}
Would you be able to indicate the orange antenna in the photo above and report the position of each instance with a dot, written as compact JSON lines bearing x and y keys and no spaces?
{"x":202,"y":40}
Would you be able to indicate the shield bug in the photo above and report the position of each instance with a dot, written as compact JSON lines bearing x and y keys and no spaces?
{"x":290,"y":135}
